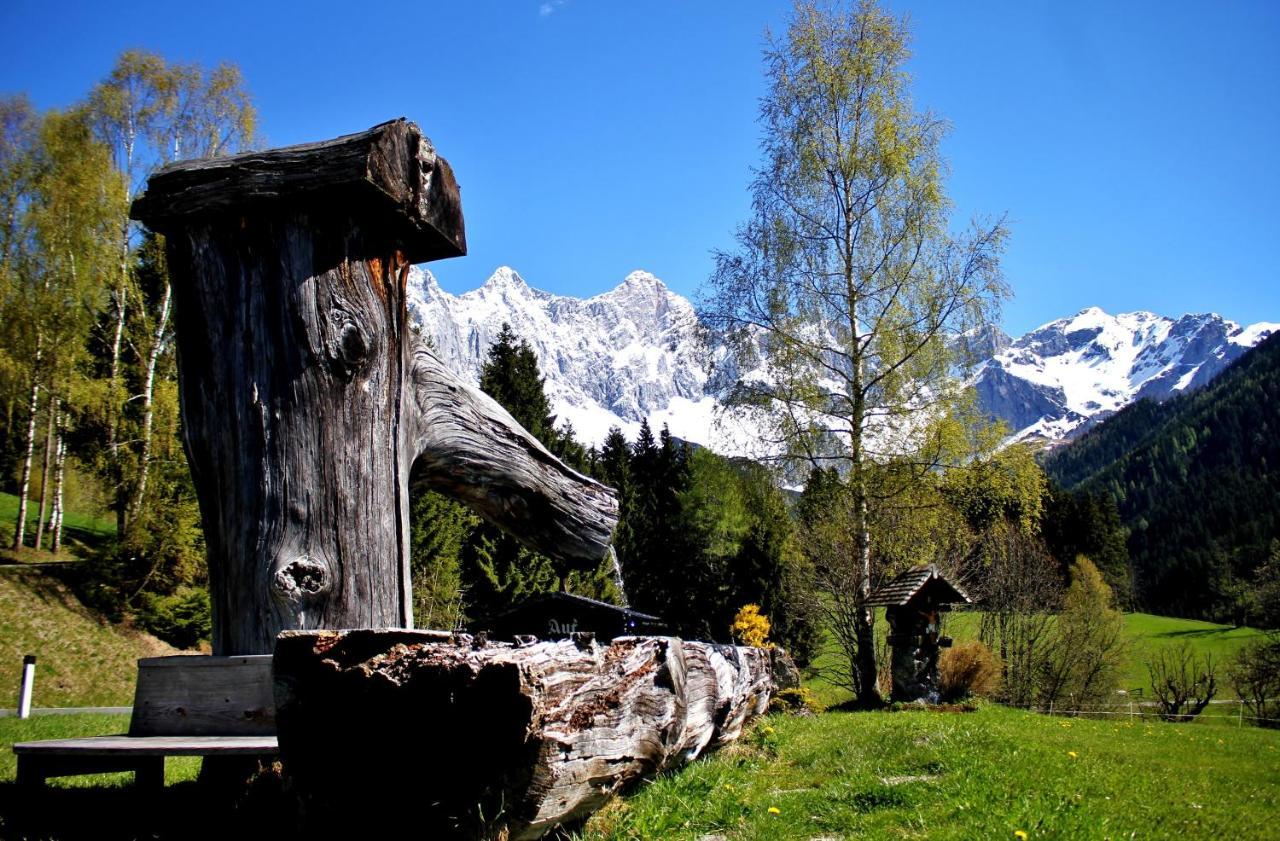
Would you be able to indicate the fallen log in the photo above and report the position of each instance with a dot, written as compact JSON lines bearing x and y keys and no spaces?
{"x":309,"y":404}
{"x":457,"y":738}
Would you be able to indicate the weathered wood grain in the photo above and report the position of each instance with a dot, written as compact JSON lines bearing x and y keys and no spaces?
{"x":470,"y":448}
{"x":202,"y":696}
{"x":391,"y":172}
{"x":151,"y":746}
{"x":308,"y":403}
{"x":526,"y":738}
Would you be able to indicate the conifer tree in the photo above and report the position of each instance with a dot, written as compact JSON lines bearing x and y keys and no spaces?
{"x":438,"y":528}
{"x":613,"y":467}
{"x":496,"y":571}
{"x":510,"y":375}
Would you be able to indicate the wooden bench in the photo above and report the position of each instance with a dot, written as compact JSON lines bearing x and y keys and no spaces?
{"x":183,"y":706}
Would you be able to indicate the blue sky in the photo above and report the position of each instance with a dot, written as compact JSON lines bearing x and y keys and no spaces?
{"x":1134,"y":146}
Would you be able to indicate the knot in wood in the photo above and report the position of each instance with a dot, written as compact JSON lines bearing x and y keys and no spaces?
{"x":301,"y":578}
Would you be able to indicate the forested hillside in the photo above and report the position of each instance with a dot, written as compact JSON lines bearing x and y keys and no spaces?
{"x":1197,"y":482}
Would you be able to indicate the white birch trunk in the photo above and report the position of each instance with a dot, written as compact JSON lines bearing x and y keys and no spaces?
{"x":148,"y":395}
{"x":20,"y":531}
{"x":44,"y":476}
{"x":59,"y":474}
{"x":121,"y":296}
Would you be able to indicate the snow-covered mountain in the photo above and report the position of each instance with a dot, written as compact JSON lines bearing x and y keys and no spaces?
{"x":615,"y":358}
{"x":633,"y":352}
{"x":1060,"y":378}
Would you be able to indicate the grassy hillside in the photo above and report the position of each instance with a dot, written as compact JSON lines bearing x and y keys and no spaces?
{"x":988,"y":774}
{"x":81,"y":660}
{"x":1147,"y":633}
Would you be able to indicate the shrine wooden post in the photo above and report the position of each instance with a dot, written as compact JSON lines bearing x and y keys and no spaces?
{"x":308,"y":400}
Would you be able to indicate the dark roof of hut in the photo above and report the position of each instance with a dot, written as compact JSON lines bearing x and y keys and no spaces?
{"x":912,"y":583}
{"x":570,"y":599}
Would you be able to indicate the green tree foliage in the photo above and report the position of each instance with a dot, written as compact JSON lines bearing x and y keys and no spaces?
{"x":495,"y":572}
{"x":702,"y":535}
{"x":1082,"y":667}
{"x":438,"y":528}
{"x":1004,"y":485}
{"x":1196,"y":484}
{"x":53,"y":273}
{"x":652,"y":545}
{"x":86,"y":329}
{"x":1087,"y":523}
{"x":148,"y":112}
{"x":510,"y":375}
{"x":847,"y":279}
{"x":1254,"y":673}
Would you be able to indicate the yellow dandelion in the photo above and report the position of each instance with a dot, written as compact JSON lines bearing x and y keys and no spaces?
{"x":1072,"y":754}
{"x":1020,"y":834}
{"x":774,"y":810}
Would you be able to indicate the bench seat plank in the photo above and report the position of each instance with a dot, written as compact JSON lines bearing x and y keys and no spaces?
{"x":152,"y":746}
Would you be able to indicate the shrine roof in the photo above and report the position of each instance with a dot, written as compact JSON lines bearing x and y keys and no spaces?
{"x":914,"y":583}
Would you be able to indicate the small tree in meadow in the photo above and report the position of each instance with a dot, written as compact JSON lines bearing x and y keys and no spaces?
{"x":1084,"y":660}
{"x":1255,"y":675}
{"x":1182,"y":683}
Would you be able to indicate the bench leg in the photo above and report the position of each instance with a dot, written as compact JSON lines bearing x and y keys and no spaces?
{"x":31,"y":771}
{"x":149,"y":774}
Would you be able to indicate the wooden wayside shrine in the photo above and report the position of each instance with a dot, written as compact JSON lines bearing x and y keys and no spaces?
{"x":914,"y":603}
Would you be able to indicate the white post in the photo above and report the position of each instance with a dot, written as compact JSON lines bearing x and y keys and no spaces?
{"x":28,"y":685}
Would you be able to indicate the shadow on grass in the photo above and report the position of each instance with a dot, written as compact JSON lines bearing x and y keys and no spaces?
{"x":1196,"y":633}
{"x":182,"y":811}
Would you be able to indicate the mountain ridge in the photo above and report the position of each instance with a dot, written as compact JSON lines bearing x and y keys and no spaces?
{"x":634,"y":352}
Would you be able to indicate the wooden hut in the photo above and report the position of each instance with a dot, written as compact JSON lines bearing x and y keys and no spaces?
{"x":914,"y":602}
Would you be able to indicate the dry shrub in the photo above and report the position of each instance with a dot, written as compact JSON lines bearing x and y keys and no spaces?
{"x":969,"y":668}
{"x":796,"y":701}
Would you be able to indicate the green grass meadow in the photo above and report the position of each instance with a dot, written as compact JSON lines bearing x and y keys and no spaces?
{"x":1146,"y":633}
{"x":987,"y":774}
{"x":991,"y":773}
{"x":81,"y":659}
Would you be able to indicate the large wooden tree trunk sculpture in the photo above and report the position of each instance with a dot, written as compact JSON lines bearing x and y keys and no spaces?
{"x":307,"y":398}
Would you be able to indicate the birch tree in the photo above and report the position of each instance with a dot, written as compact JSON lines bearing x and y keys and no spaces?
{"x":847,"y":284}
{"x":58,"y":275}
{"x":151,"y":112}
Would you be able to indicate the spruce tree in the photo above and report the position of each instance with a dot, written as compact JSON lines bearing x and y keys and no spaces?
{"x":439,"y":526}
{"x":496,"y":572}
{"x":510,"y":375}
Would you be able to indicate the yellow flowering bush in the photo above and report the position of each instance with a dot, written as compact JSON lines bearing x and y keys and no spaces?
{"x":750,"y":627}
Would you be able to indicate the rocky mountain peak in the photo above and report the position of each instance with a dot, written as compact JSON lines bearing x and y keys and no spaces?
{"x":504,"y":278}
{"x":635,"y":352}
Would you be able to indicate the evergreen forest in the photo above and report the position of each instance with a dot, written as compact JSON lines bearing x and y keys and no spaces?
{"x":1196,"y":485}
